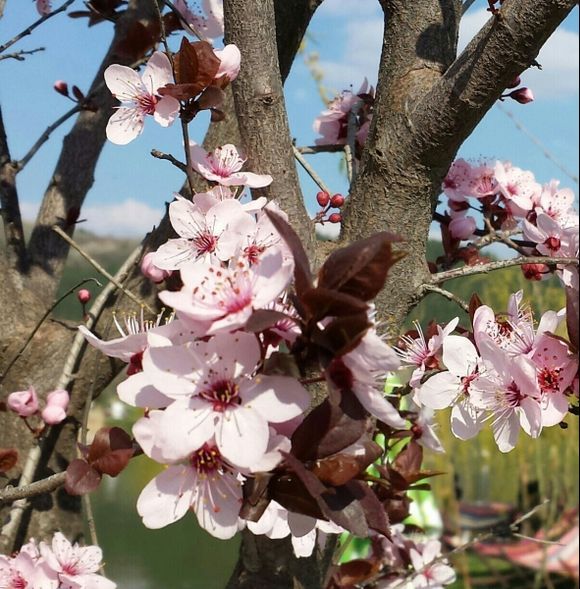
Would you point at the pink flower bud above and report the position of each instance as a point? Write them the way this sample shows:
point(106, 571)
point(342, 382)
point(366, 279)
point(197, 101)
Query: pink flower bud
point(322, 198)
point(515, 82)
point(335, 218)
point(151, 271)
point(522, 95)
point(230, 58)
point(61, 87)
point(25, 403)
point(84, 296)
point(56, 405)
point(44, 7)
point(337, 201)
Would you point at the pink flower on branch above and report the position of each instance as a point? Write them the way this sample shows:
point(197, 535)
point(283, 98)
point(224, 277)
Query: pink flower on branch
point(56, 405)
point(24, 403)
point(223, 166)
point(139, 97)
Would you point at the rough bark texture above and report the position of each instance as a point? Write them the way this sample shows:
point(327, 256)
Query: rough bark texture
point(261, 110)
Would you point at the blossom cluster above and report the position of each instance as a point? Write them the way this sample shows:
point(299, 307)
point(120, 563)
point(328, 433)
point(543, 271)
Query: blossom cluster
point(54, 566)
point(508, 371)
point(512, 200)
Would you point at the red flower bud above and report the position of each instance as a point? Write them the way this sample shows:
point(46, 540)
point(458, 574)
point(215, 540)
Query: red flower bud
point(84, 296)
point(522, 95)
point(61, 87)
point(534, 271)
point(335, 218)
point(337, 201)
point(515, 82)
point(323, 198)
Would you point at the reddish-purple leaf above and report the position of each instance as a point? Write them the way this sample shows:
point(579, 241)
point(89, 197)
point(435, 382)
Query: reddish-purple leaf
point(302, 274)
point(263, 319)
point(81, 478)
point(361, 268)
point(474, 303)
point(111, 450)
point(408, 462)
point(374, 512)
point(8, 458)
point(323, 302)
point(573, 317)
point(342, 335)
point(256, 497)
point(290, 492)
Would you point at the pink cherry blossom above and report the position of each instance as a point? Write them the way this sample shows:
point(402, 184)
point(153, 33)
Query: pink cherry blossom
point(462, 226)
point(430, 571)
point(230, 59)
point(223, 166)
point(518, 187)
point(220, 397)
point(452, 388)
point(457, 182)
point(549, 236)
point(139, 95)
point(74, 565)
point(204, 482)
point(24, 403)
point(508, 389)
point(424, 354)
point(368, 365)
point(556, 368)
point(558, 204)
point(23, 571)
point(226, 297)
point(218, 233)
point(209, 24)
point(483, 183)
point(56, 405)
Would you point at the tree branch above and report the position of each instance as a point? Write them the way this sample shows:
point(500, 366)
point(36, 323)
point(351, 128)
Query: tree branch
point(485, 268)
point(48, 485)
point(261, 110)
point(20, 55)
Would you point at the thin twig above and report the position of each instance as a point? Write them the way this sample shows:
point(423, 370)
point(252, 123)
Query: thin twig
point(19, 55)
point(312, 149)
point(45, 137)
point(503, 237)
point(167, 156)
point(426, 288)
point(35, 24)
point(41, 321)
point(48, 485)
point(351, 137)
point(310, 170)
point(191, 27)
point(100, 268)
point(440, 277)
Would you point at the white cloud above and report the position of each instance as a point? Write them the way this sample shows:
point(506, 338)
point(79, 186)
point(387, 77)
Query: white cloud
point(129, 218)
point(362, 51)
point(558, 57)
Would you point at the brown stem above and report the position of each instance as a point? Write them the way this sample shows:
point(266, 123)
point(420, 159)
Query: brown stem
point(48, 485)
point(20, 55)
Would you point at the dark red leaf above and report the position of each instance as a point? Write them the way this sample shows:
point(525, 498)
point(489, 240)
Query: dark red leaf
point(302, 274)
point(322, 302)
point(361, 268)
point(217, 115)
point(343, 334)
point(211, 97)
point(256, 497)
point(329, 428)
point(78, 93)
point(355, 572)
point(474, 303)
point(138, 39)
point(573, 317)
point(290, 492)
point(263, 319)
point(81, 478)
point(374, 511)
point(8, 458)
point(111, 450)
point(408, 462)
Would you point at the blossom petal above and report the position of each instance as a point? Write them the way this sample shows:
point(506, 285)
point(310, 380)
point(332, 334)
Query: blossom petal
point(166, 110)
point(378, 406)
point(124, 125)
point(157, 73)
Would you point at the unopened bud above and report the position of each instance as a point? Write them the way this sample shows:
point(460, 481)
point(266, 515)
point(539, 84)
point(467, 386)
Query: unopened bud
point(84, 296)
point(61, 87)
point(323, 198)
point(337, 201)
point(522, 95)
point(515, 82)
point(534, 271)
point(151, 271)
point(335, 218)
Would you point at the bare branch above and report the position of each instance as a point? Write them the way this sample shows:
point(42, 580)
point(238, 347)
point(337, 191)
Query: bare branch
point(168, 157)
point(28, 30)
point(311, 149)
point(100, 268)
point(310, 170)
point(21, 55)
point(48, 485)
point(427, 288)
point(261, 110)
point(485, 268)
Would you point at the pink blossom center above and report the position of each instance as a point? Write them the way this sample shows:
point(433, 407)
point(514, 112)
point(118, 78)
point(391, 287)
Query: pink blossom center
point(206, 460)
point(222, 394)
point(225, 162)
point(236, 294)
point(549, 380)
point(513, 395)
point(17, 582)
point(146, 103)
point(552, 243)
point(253, 253)
point(513, 189)
point(466, 382)
point(205, 243)
point(135, 364)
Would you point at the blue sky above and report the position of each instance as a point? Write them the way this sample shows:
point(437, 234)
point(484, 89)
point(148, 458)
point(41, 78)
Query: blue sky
point(131, 187)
